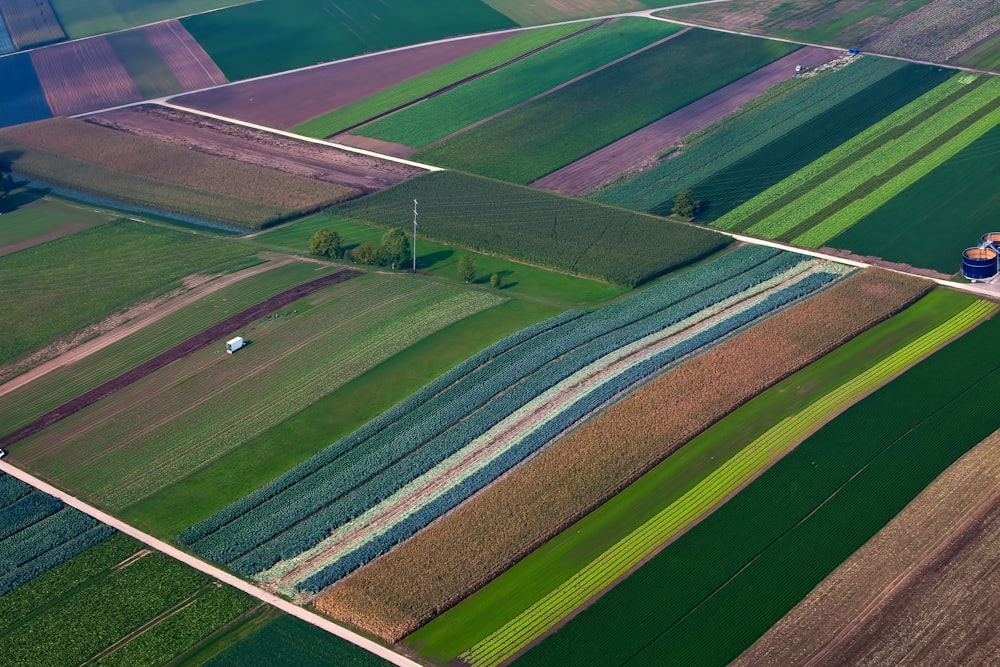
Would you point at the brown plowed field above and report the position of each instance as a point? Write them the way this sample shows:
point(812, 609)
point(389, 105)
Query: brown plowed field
point(285, 100)
point(924, 591)
point(31, 22)
point(209, 336)
point(193, 67)
point(642, 146)
point(264, 149)
point(82, 76)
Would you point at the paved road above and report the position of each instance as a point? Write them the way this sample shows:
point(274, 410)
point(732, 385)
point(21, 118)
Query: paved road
point(212, 571)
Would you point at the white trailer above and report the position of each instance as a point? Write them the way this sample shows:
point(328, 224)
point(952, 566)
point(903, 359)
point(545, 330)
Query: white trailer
point(234, 344)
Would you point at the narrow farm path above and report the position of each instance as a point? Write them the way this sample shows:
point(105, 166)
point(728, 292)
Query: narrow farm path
point(643, 145)
point(148, 314)
point(212, 571)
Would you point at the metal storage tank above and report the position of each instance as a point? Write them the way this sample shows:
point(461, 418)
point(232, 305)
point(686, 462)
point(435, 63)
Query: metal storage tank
point(979, 263)
point(992, 240)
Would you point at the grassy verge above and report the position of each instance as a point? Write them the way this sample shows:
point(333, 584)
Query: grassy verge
point(30, 218)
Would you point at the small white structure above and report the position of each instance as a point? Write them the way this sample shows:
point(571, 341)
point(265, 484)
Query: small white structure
point(234, 344)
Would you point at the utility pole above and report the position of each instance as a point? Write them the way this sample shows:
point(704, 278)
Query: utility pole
point(414, 235)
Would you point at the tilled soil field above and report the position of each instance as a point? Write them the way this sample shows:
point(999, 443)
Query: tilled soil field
point(82, 76)
point(285, 100)
point(264, 149)
point(209, 336)
point(193, 67)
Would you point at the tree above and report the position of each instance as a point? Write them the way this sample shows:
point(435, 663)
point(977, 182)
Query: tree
point(395, 248)
point(366, 253)
point(685, 205)
point(495, 281)
point(326, 244)
point(6, 182)
point(467, 268)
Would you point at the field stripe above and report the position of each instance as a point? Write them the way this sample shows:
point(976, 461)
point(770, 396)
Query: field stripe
point(629, 552)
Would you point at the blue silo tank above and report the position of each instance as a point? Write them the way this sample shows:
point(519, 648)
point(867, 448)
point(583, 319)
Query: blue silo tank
point(979, 263)
point(992, 240)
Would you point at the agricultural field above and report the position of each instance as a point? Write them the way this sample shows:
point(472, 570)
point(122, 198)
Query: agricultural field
point(76, 154)
point(985, 55)
point(31, 23)
point(6, 43)
point(185, 58)
point(292, 98)
point(961, 191)
point(531, 141)
point(124, 447)
point(92, 274)
point(99, 16)
point(475, 101)
point(938, 32)
point(448, 74)
point(695, 491)
point(83, 76)
point(441, 261)
point(793, 525)
point(143, 63)
point(22, 100)
point(175, 319)
point(538, 227)
point(589, 466)
point(472, 425)
point(834, 192)
point(32, 218)
point(303, 32)
point(550, 11)
point(933, 570)
point(823, 21)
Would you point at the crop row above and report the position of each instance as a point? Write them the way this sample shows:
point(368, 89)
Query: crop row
point(419, 86)
point(761, 121)
point(469, 393)
point(713, 489)
point(875, 158)
point(859, 208)
point(793, 525)
point(570, 415)
point(41, 536)
point(938, 31)
point(11, 490)
point(461, 107)
point(470, 546)
point(28, 510)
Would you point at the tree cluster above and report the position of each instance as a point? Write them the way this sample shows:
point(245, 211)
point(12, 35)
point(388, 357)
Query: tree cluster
point(392, 252)
point(685, 205)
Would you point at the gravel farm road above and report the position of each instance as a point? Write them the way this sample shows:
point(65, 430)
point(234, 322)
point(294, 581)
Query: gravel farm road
point(212, 571)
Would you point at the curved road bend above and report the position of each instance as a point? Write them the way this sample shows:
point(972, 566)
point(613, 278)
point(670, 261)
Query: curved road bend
point(212, 571)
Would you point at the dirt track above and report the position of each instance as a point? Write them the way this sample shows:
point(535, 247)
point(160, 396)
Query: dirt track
point(209, 336)
point(286, 100)
point(642, 146)
point(236, 142)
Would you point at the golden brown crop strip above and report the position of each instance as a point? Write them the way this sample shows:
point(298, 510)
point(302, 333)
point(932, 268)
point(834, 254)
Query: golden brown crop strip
point(494, 529)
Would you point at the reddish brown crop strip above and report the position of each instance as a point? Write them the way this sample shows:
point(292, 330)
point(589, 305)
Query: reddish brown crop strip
point(209, 336)
point(184, 56)
point(82, 76)
point(489, 533)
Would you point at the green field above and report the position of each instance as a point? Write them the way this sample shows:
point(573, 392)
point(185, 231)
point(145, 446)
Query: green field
point(144, 64)
point(531, 12)
point(55, 289)
point(126, 447)
point(83, 608)
point(773, 542)
point(62, 384)
point(613, 538)
point(932, 221)
point(82, 19)
point(30, 218)
point(424, 84)
point(441, 261)
point(532, 141)
point(276, 35)
point(590, 239)
point(336, 414)
point(472, 102)
point(985, 55)
point(289, 641)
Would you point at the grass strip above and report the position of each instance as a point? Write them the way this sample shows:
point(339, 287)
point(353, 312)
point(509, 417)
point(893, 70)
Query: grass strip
point(712, 490)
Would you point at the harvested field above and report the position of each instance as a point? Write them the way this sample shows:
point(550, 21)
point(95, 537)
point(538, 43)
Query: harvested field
point(209, 336)
point(193, 67)
point(31, 22)
point(263, 149)
point(922, 591)
point(51, 145)
point(286, 100)
point(937, 32)
point(83, 76)
point(471, 545)
point(643, 146)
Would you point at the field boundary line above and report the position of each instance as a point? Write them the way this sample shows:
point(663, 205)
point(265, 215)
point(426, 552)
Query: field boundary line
point(212, 571)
